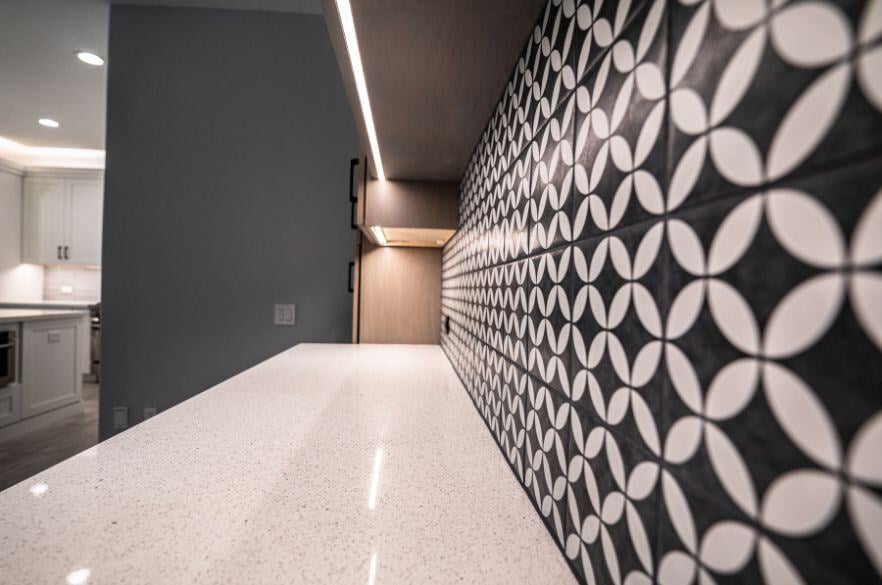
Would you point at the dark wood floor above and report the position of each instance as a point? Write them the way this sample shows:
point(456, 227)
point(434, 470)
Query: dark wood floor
point(33, 452)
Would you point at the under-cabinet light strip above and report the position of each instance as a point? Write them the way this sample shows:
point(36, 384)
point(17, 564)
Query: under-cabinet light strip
point(345, 12)
point(379, 235)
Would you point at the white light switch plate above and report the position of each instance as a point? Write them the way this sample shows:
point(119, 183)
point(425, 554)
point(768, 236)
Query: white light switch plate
point(284, 315)
point(120, 417)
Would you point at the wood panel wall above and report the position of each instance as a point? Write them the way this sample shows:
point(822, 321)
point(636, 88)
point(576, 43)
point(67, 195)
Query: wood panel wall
point(400, 295)
point(412, 204)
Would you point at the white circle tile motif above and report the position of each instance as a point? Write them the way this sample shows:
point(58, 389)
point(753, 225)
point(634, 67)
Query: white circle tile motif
point(665, 295)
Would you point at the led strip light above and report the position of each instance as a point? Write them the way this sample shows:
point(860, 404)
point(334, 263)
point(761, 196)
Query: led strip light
point(345, 12)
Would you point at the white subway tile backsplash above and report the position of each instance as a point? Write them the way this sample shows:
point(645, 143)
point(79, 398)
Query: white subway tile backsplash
point(72, 283)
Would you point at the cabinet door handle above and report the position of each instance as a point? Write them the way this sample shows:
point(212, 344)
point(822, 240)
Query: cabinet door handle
point(58, 253)
point(353, 195)
point(66, 257)
point(351, 274)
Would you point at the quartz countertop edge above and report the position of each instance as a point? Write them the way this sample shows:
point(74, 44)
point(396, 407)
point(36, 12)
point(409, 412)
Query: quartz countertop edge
point(323, 464)
point(22, 315)
point(67, 304)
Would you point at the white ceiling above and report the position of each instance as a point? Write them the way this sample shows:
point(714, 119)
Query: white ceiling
point(41, 77)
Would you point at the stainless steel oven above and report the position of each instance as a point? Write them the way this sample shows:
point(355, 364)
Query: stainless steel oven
point(8, 357)
point(94, 374)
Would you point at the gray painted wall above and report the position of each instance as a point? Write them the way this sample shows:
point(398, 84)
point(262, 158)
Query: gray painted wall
point(228, 144)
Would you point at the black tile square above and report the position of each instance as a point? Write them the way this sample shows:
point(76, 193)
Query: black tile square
point(612, 495)
point(698, 535)
point(551, 204)
point(514, 402)
point(758, 415)
point(550, 68)
point(496, 211)
point(545, 454)
point(512, 233)
point(496, 313)
point(752, 105)
point(620, 132)
point(549, 310)
point(619, 301)
point(485, 372)
point(701, 539)
point(493, 368)
point(495, 404)
point(515, 294)
point(519, 102)
point(598, 24)
point(500, 159)
point(700, 350)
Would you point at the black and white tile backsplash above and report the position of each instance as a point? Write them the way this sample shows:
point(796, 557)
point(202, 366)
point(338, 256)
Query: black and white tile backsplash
point(665, 296)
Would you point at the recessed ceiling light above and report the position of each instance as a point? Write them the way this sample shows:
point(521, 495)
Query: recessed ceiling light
point(48, 122)
point(90, 58)
point(348, 24)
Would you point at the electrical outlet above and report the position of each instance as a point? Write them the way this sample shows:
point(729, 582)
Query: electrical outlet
point(150, 412)
point(120, 417)
point(66, 289)
point(284, 315)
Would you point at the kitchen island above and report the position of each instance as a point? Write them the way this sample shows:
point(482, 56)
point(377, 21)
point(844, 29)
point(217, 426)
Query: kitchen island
point(324, 464)
point(85, 347)
point(43, 368)
point(25, 315)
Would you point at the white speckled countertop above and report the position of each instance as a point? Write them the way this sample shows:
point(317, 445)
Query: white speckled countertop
point(324, 464)
point(77, 305)
point(20, 315)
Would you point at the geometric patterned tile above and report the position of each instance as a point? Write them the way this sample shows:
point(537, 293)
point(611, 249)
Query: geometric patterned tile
point(793, 88)
point(551, 204)
point(665, 295)
point(550, 67)
point(612, 502)
point(545, 457)
point(549, 317)
point(621, 138)
point(619, 297)
point(598, 24)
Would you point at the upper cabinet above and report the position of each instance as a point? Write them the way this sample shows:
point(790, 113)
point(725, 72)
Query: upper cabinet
point(62, 218)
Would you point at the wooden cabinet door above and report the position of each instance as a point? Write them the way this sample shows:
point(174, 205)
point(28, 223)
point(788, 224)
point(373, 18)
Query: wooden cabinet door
point(50, 372)
point(43, 229)
point(85, 211)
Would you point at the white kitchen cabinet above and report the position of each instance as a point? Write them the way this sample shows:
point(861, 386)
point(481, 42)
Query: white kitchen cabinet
point(50, 372)
point(10, 404)
point(43, 220)
point(84, 217)
point(62, 218)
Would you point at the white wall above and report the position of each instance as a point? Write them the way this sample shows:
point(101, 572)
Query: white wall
point(18, 282)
